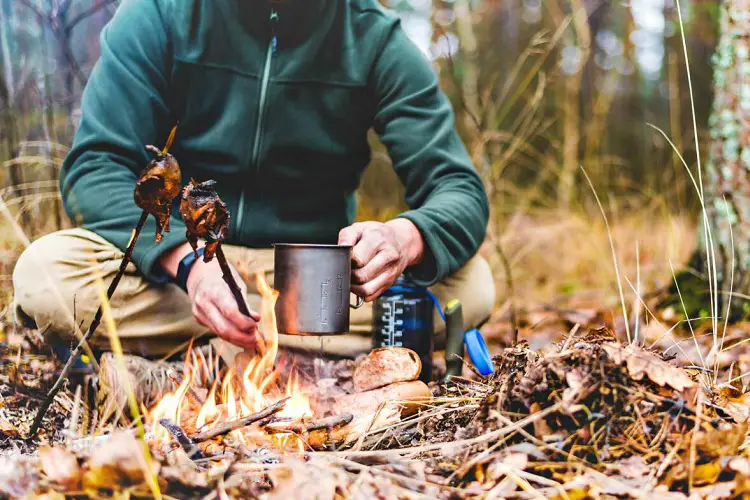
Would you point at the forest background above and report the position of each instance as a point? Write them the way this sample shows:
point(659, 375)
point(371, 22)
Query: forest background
point(546, 92)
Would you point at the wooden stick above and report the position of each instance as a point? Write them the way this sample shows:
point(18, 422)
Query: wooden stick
point(179, 435)
point(227, 427)
point(305, 427)
point(229, 279)
point(90, 332)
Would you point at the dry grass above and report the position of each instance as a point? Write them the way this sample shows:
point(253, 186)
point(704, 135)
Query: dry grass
point(557, 256)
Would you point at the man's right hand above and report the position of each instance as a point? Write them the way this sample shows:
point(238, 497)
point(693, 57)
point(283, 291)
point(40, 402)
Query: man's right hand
point(212, 302)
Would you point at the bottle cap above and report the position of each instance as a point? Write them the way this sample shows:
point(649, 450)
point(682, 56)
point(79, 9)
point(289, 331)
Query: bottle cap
point(478, 352)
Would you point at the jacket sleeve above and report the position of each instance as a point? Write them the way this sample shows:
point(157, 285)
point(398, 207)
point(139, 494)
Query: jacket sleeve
point(123, 109)
point(414, 120)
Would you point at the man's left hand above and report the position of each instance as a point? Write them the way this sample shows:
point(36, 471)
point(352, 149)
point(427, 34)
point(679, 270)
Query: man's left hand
point(381, 252)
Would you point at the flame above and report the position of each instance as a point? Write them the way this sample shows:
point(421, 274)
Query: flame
point(237, 395)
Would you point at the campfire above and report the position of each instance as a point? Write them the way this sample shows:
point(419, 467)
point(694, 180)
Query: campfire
point(264, 400)
point(240, 393)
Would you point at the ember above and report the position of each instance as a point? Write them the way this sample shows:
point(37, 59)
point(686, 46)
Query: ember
point(240, 395)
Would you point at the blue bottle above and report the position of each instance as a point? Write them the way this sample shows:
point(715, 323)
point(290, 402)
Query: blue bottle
point(403, 318)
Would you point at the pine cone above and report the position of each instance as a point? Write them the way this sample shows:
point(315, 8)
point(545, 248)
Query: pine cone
point(205, 215)
point(157, 186)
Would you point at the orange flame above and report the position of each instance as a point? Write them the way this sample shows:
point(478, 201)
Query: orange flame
point(239, 395)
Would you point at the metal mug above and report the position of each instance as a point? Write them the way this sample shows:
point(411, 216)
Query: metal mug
point(314, 283)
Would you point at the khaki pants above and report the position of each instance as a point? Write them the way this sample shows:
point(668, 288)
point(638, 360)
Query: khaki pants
point(55, 283)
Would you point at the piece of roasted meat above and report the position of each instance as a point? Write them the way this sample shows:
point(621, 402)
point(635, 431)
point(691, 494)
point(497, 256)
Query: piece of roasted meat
point(205, 215)
point(157, 187)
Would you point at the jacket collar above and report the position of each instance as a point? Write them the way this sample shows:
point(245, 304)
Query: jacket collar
point(291, 21)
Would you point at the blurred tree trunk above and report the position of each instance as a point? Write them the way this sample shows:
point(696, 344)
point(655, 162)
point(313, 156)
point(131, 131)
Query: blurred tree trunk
point(727, 180)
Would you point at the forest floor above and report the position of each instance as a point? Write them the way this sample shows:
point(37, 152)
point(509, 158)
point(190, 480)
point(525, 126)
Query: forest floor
point(577, 409)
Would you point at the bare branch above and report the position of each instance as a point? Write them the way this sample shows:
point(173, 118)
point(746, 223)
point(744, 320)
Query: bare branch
point(41, 16)
point(87, 13)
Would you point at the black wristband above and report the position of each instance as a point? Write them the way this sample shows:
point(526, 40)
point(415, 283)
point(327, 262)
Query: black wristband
point(183, 270)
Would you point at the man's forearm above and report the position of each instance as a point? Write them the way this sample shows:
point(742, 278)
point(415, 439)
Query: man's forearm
point(410, 238)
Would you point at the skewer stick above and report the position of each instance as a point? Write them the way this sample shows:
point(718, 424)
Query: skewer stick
point(90, 332)
point(226, 272)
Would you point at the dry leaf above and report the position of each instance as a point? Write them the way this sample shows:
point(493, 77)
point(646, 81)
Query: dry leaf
point(642, 363)
point(7, 428)
point(17, 477)
point(116, 461)
point(61, 467)
point(634, 467)
point(305, 481)
point(715, 491)
point(722, 442)
point(707, 473)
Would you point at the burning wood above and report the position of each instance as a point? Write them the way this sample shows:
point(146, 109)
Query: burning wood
point(155, 191)
point(227, 427)
point(179, 435)
point(320, 434)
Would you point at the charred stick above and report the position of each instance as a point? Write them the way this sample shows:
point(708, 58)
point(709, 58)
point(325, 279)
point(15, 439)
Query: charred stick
point(179, 435)
point(226, 272)
point(90, 332)
point(327, 423)
point(227, 427)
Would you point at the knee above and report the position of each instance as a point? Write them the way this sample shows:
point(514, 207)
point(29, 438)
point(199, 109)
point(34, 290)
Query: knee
point(38, 281)
point(43, 256)
point(480, 294)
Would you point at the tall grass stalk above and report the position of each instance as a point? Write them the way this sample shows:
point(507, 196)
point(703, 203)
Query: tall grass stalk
point(614, 254)
point(114, 339)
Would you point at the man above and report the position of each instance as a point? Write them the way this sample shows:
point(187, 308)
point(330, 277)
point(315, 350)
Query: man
point(274, 101)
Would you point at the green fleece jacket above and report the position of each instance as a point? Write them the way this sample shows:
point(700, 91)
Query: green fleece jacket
point(274, 102)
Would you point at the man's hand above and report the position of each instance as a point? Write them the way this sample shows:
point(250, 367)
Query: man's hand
point(213, 304)
point(381, 253)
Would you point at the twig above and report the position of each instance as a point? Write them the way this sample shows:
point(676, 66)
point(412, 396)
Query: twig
point(306, 427)
point(459, 444)
point(90, 332)
point(227, 427)
point(229, 279)
point(571, 336)
point(179, 435)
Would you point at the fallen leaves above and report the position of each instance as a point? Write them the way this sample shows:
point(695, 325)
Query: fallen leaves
point(642, 363)
point(117, 461)
point(60, 467)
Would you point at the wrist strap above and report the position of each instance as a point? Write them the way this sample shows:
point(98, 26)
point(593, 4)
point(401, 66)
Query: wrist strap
point(183, 270)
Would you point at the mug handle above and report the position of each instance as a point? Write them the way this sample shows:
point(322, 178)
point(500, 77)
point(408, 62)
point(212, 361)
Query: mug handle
point(360, 303)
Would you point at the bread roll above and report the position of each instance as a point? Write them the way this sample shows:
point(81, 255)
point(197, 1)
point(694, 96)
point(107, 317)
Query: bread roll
point(385, 366)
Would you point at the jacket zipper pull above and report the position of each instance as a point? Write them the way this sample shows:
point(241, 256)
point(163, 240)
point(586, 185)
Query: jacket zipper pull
point(274, 17)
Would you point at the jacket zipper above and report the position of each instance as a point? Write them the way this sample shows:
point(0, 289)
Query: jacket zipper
point(255, 160)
